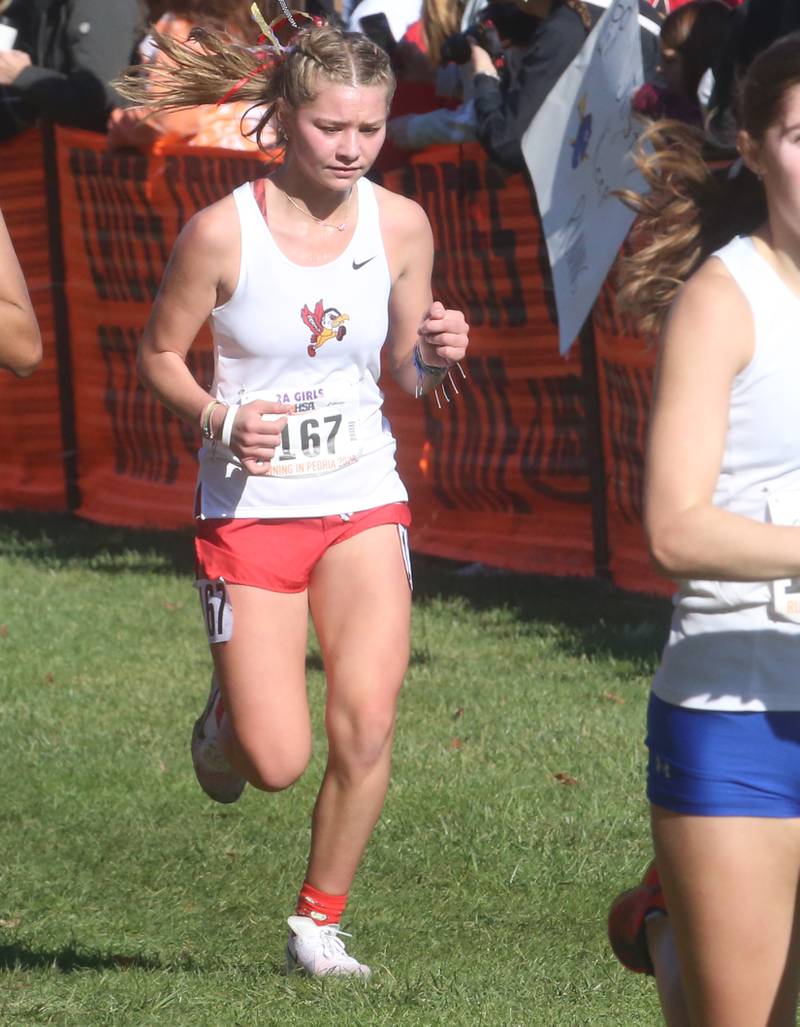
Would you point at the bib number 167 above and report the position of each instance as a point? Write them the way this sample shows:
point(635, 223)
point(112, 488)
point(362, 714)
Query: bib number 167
point(308, 436)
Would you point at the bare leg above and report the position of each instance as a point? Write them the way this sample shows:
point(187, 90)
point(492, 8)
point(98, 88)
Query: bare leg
point(731, 885)
point(261, 670)
point(361, 605)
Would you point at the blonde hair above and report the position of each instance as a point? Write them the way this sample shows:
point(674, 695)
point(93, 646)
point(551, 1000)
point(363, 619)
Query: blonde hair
point(212, 67)
point(440, 19)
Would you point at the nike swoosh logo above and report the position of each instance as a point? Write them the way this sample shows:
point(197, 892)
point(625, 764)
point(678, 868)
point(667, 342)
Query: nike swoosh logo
point(356, 266)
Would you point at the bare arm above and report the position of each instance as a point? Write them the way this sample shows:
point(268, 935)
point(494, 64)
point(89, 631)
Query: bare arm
point(201, 273)
point(708, 339)
point(414, 318)
point(20, 340)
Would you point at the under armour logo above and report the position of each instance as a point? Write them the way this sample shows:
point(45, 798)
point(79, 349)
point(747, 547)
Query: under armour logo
point(662, 767)
point(357, 266)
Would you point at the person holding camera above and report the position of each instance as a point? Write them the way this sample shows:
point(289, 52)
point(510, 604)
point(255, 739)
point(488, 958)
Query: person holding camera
point(502, 30)
point(504, 107)
point(424, 52)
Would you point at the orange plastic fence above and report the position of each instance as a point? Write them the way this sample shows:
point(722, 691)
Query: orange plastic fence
point(32, 475)
point(625, 377)
point(502, 475)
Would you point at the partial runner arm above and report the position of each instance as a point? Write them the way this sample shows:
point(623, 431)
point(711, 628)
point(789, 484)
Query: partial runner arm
point(20, 339)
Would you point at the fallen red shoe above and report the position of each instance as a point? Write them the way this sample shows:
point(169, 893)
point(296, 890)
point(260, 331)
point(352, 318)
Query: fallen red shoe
point(626, 928)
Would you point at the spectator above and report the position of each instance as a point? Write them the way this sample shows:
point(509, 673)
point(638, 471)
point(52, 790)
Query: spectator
point(20, 341)
point(69, 51)
point(421, 119)
point(439, 23)
point(224, 125)
point(504, 109)
point(690, 42)
point(755, 27)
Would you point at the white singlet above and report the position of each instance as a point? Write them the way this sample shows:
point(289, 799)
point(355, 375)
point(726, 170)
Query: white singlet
point(312, 337)
point(735, 645)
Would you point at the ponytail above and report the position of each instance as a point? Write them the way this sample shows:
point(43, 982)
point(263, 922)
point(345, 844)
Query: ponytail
point(690, 210)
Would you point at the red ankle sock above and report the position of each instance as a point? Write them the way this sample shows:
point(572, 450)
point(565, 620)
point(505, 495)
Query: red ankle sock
point(319, 905)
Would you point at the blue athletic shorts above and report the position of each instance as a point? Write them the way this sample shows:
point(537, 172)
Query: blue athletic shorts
point(714, 763)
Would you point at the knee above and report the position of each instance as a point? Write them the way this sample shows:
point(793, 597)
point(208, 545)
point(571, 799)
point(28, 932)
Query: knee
point(362, 738)
point(272, 768)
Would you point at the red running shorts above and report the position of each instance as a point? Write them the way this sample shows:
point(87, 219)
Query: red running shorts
point(279, 555)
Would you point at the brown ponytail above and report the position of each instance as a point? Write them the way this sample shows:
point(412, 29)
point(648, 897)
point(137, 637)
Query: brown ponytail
point(689, 211)
point(692, 209)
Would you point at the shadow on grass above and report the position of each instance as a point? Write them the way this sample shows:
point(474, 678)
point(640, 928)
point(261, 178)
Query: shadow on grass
point(599, 619)
point(71, 958)
point(60, 540)
point(592, 617)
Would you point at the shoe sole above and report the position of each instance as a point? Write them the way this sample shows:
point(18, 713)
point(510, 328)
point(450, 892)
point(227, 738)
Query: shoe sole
point(224, 797)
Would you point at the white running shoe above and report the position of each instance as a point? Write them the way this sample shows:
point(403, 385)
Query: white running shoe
point(319, 950)
point(211, 768)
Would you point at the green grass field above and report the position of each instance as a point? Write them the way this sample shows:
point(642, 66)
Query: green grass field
point(516, 811)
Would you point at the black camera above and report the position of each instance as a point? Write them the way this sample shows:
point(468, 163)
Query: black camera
point(456, 49)
point(497, 21)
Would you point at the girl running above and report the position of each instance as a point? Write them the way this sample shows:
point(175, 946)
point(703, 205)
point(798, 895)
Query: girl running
point(307, 276)
point(722, 510)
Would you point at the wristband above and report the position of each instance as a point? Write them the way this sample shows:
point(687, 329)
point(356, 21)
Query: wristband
point(432, 370)
point(425, 370)
point(227, 425)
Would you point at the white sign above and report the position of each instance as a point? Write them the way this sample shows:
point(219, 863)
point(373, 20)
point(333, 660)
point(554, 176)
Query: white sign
point(578, 151)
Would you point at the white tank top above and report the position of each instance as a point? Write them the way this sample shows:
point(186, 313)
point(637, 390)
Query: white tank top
point(736, 645)
point(310, 336)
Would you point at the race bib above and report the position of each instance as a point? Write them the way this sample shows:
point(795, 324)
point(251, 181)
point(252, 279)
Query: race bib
point(784, 508)
point(323, 433)
point(217, 610)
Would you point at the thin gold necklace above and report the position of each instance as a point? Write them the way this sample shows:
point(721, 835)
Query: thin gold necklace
point(339, 228)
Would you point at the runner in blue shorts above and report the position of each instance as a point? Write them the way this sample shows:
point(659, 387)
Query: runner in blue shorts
point(716, 918)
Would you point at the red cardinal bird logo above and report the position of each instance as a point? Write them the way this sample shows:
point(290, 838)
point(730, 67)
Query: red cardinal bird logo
point(324, 323)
